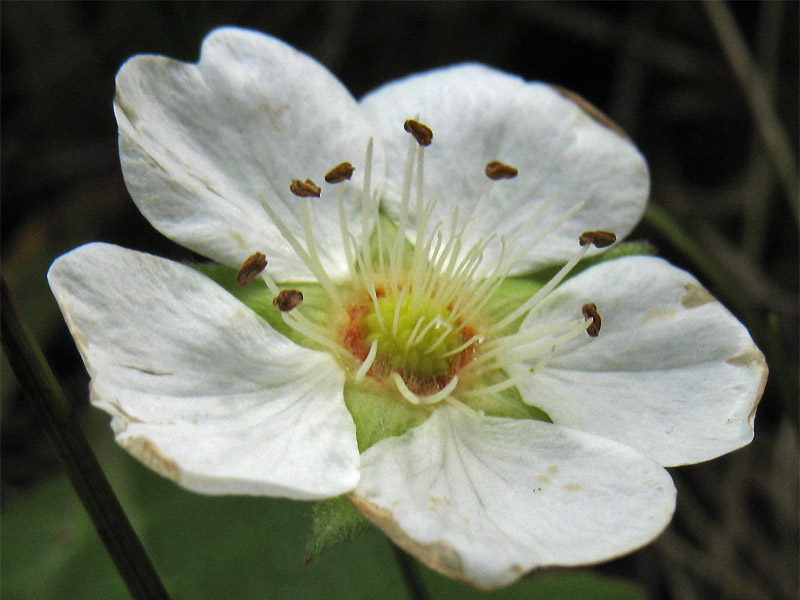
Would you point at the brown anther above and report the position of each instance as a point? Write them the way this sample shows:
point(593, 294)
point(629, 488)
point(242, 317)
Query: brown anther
point(305, 189)
point(251, 268)
point(422, 133)
point(341, 172)
point(590, 312)
point(286, 300)
point(601, 239)
point(496, 170)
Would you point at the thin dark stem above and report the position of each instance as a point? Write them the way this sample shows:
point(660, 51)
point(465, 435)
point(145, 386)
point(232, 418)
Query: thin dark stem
point(54, 415)
point(411, 575)
point(774, 135)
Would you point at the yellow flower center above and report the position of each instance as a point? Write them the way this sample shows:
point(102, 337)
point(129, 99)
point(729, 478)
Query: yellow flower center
point(413, 335)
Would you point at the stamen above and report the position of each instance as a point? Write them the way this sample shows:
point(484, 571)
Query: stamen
point(286, 300)
point(312, 248)
point(403, 388)
point(296, 321)
point(447, 329)
point(367, 364)
point(477, 296)
point(529, 334)
point(412, 337)
point(441, 394)
point(305, 189)
point(418, 269)
point(475, 339)
point(544, 291)
point(467, 410)
point(369, 285)
point(459, 281)
point(315, 266)
point(271, 285)
point(417, 400)
point(422, 133)
point(397, 307)
point(590, 312)
point(251, 268)
point(434, 322)
point(341, 172)
point(366, 205)
point(495, 387)
point(430, 269)
point(600, 239)
point(523, 347)
point(496, 170)
point(396, 248)
point(487, 288)
point(348, 250)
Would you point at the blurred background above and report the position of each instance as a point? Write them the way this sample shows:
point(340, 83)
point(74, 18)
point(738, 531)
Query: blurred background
point(708, 92)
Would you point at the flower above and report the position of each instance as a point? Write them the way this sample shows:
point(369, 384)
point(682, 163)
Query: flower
point(406, 349)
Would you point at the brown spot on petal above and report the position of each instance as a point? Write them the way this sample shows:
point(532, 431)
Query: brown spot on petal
point(590, 312)
point(695, 296)
point(341, 172)
point(591, 110)
point(658, 313)
point(572, 487)
point(286, 300)
point(305, 189)
point(251, 268)
point(497, 170)
point(753, 358)
point(600, 239)
point(147, 452)
point(422, 133)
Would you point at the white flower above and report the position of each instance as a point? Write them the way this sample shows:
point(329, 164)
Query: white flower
point(426, 342)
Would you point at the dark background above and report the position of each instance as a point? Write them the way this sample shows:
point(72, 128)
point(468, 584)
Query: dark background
point(721, 144)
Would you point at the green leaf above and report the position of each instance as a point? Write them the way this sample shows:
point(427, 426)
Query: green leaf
point(204, 547)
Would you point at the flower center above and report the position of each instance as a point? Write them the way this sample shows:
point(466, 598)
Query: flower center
point(418, 338)
point(412, 316)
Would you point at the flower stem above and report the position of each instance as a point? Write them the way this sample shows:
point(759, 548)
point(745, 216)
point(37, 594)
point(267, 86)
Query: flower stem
point(54, 415)
point(411, 575)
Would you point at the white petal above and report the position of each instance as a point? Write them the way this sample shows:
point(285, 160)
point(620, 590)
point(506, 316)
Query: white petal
point(672, 373)
point(200, 388)
point(203, 146)
point(478, 115)
point(488, 499)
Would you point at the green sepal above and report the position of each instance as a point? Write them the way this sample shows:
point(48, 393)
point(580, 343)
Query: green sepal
point(378, 413)
point(335, 520)
point(506, 403)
